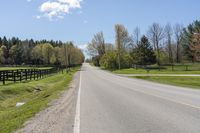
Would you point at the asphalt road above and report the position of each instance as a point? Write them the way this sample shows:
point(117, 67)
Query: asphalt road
point(109, 103)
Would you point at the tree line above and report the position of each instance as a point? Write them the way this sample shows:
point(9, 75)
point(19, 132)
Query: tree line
point(29, 52)
point(160, 45)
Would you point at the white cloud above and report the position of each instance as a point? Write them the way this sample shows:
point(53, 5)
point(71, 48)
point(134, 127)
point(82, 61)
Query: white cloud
point(59, 8)
point(71, 3)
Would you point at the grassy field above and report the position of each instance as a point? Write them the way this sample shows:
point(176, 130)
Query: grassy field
point(14, 68)
point(177, 69)
point(35, 94)
point(191, 82)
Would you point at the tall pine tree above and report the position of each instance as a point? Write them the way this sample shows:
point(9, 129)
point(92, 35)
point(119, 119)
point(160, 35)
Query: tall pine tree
point(143, 53)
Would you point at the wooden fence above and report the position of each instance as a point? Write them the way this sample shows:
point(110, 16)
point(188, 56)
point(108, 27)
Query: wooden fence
point(20, 75)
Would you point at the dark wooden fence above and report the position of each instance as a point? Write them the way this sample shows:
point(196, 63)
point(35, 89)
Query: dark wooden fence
point(20, 75)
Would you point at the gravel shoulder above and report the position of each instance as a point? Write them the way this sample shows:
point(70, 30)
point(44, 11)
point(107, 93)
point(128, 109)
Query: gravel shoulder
point(59, 116)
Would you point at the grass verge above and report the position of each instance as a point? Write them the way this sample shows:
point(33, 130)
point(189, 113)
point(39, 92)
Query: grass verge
point(142, 71)
point(176, 69)
point(35, 94)
point(191, 82)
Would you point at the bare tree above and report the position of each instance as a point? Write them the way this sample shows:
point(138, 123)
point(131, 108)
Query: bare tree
point(122, 41)
point(97, 45)
point(155, 35)
point(96, 48)
point(178, 31)
point(168, 34)
point(136, 35)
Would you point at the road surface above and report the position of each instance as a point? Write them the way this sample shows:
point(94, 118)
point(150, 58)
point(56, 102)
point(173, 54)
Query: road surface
point(108, 103)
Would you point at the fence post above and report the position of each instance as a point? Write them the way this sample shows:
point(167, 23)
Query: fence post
point(40, 73)
point(17, 75)
point(26, 74)
point(7, 75)
point(30, 72)
point(34, 74)
point(37, 74)
point(186, 68)
point(20, 78)
point(3, 77)
point(0, 76)
point(14, 76)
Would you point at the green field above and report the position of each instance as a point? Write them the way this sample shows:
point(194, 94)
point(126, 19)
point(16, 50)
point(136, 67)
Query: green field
point(184, 81)
point(35, 94)
point(191, 82)
point(177, 69)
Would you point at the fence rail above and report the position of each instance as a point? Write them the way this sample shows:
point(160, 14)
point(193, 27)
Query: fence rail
point(20, 75)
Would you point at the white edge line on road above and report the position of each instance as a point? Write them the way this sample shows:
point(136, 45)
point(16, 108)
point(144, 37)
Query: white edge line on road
point(77, 115)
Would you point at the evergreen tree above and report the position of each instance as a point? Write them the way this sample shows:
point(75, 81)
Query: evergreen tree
point(143, 53)
point(0, 41)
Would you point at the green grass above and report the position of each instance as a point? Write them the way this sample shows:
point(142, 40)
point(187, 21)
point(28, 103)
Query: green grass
point(14, 68)
point(191, 82)
point(178, 69)
point(12, 117)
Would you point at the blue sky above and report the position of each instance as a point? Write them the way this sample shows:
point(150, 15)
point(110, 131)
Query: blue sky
point(79, 20)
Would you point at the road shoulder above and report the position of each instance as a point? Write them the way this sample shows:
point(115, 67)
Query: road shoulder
point(59, 116)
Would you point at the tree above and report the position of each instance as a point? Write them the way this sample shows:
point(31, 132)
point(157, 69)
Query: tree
point(122, 41)
point(109, 60)
point(16, 51)
point(13, 54)
point(97, 47)
point(57, 51)
point(66, 51)
point(3, 51)
point(195, 46)
point(143, 53)
point(71, 55)
point(77, 56)
point(36, 54)
point(47, 52)
point(178, 31)
point(168, 35)
point(5, 42)
point(155, 35)
point(188, 38)
point(109, 47)
point(0, 41)
point(136, 35)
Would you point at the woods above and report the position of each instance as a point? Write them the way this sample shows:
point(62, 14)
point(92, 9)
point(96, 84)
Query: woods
point(161, 45)
point(29, 52)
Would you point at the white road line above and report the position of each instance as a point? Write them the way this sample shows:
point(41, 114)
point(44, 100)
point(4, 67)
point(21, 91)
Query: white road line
point(77, 115)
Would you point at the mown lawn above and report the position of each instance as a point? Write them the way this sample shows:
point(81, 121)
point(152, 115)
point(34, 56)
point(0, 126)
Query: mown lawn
point(35, 94)
point(191, 82)
point(177, 69)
